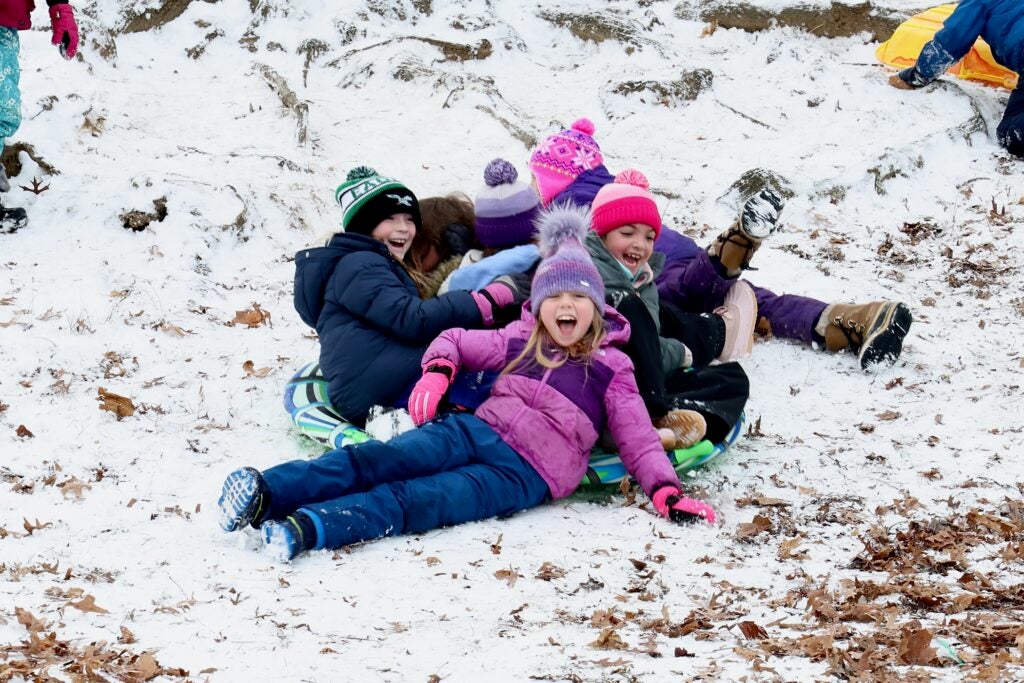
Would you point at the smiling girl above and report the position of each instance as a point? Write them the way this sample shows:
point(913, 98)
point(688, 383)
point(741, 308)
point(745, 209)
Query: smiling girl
point(359, 293)
point(686, 403)
point(563, 381)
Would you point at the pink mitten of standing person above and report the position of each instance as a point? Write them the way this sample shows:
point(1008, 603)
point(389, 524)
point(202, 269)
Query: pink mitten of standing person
point(65, 30)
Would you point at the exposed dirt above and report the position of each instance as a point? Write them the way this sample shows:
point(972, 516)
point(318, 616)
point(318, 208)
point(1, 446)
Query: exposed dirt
point(839, 20)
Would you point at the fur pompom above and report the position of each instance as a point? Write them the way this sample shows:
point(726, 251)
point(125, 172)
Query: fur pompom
point(500, 172)
point(584, 125)
point(633, 177)
point(360, 172)
point(561, 224)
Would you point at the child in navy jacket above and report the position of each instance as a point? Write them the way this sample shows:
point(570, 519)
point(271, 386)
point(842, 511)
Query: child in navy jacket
point(358, 293)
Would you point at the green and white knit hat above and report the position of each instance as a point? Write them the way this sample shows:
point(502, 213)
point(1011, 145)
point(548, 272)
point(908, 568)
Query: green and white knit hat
point(366, 198)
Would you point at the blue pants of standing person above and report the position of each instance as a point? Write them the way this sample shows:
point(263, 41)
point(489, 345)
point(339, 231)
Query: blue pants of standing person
point(1010, 132)
point(696, 284)
point(449, 471)
point(10, 73)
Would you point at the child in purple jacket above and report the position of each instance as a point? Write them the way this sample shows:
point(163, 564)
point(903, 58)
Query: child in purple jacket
point(562, 381)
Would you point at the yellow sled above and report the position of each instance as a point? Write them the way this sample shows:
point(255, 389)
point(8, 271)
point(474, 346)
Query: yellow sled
point(905, 45)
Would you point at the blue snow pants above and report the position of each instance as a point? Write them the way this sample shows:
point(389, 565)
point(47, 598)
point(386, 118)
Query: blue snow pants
point(10, 74)
point(1010, 132)
point(449, 471)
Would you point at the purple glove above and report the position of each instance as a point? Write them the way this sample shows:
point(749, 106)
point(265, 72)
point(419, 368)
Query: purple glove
point(672, 504)
point(492, 297)
point(65, 30)
point(427, 394)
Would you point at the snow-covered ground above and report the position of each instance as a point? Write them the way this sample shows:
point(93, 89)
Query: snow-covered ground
point(866, 519)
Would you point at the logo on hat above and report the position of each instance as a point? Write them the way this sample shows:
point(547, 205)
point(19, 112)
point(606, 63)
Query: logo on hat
point(401, 201)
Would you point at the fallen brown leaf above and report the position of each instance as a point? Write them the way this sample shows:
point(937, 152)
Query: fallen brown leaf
point(88, 604)
point(121, 406)
point(915, 645)
point(253, 317)
point(752, 631)
point(250, 370)
point(609, 639)
point(753, 527)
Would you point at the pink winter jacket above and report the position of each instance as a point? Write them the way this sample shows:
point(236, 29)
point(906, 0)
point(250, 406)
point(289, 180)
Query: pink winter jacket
point(553, 417)
point(16, 14)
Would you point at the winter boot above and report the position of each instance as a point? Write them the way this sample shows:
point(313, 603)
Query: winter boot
point(873, 331)
point(739, 311)
point(667, 438)
point(688, 426)
point(243, 499)
point(284, 540)
point(736, 246)
point(12, 219)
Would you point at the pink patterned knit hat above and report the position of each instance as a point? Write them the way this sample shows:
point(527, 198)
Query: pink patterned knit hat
point(625, 201)
point(561, 157)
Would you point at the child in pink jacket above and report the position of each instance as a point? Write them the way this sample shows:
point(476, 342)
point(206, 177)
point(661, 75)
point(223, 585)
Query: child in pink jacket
point(562, 381)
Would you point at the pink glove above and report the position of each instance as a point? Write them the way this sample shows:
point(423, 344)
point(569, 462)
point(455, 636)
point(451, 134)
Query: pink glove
point(493, 296)
point(427, 394)
point(672, 504)
point(65, 30)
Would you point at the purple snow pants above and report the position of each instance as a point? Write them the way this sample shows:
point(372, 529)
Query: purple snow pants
point(692, 282)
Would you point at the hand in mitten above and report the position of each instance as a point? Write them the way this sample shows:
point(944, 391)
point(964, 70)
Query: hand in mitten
point(458, 239)
point(761, 213)
point(65, 30)
point(426, 396)
point(673, 505)
point(490, 299)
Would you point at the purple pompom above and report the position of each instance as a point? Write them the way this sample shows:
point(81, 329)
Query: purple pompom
point(500, 172)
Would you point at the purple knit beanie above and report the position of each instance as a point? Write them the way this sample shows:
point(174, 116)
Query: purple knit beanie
point(566, 266)
point(504, 207)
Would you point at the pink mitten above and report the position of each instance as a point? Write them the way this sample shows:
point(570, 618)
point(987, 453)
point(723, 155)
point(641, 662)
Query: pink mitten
point(492, 297)
point(65, 30)
point(430, 389)
point(672, 504)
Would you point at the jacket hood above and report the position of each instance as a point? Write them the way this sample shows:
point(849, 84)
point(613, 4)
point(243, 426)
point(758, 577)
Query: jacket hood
point(314, 267)
point(602, 257)
point(616, 326)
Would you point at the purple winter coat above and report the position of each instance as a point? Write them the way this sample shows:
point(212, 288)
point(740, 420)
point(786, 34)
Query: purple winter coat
point(17, 14)
point(553, 417)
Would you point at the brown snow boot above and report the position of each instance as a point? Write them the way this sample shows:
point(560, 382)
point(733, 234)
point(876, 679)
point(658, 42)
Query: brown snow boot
point(688, 426)
point(734, 248)
point(873, 331)
point(758, 219)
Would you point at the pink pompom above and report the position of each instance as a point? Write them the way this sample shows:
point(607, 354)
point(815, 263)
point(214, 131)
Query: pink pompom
point(631, 176)
point(583, 125)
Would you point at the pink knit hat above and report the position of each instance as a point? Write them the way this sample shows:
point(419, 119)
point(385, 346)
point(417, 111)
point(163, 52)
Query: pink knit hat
point(561, 157)
point(624, 202)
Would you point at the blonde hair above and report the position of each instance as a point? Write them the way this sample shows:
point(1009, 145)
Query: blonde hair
point(540, 339)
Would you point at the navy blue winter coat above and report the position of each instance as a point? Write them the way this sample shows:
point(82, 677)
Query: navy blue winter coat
point(372, 323)
point(999, 22)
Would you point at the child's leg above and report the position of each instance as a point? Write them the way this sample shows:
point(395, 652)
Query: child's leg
point(702, 333)
point(644, 349)
point(1010, 132)
point(718, 392)
point(694, 285)
point(435, 447)
point(788, 316)
point(10, 96)
point(497, 481)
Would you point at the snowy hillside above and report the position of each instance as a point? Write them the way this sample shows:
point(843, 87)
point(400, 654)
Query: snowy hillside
point(872, 524)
